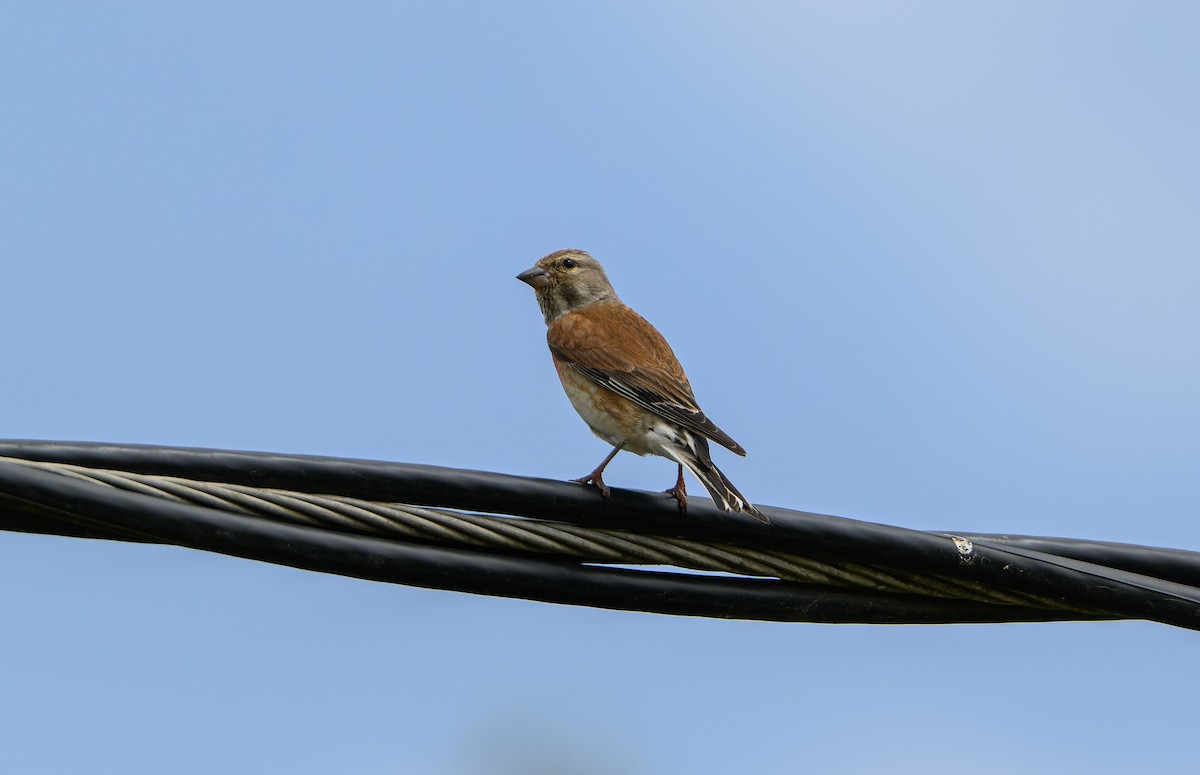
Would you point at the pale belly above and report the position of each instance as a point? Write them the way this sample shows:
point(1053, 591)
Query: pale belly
point(611, 417)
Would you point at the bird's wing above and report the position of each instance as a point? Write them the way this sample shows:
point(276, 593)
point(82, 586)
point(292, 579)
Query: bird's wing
point(617, 349)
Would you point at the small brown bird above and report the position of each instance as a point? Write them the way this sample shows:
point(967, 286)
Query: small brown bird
point(623, 378)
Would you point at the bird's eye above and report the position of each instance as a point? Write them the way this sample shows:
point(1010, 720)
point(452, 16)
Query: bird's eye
point(568, 263)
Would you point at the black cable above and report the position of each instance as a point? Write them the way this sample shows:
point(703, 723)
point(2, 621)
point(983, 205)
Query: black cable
point(1168, 564)
point(465, 571)
point(1107, 580)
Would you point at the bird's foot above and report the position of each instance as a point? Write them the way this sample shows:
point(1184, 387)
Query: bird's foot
point(596, 479)
point(680, 492)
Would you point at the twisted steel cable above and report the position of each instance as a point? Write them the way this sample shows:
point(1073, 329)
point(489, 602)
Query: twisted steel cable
point(590, 545)
point(559, 542)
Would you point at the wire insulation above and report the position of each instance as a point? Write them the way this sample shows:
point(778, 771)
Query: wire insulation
point(546, 540)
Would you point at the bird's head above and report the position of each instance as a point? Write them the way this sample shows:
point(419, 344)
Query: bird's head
point(566, 281)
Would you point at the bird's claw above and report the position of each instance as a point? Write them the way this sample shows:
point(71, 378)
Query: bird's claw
point(679, 491)
point(596, 480)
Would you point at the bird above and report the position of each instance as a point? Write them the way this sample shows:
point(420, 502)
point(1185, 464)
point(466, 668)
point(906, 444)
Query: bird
point(624, 380)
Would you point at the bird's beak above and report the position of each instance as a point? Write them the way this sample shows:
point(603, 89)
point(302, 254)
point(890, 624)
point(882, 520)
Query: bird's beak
point(535, 277)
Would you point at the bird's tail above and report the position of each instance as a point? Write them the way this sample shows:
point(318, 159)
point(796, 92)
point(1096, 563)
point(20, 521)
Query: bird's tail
point(696, 457)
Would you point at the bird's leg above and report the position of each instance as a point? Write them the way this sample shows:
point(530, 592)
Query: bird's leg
point(597, 477)
point(680, 490)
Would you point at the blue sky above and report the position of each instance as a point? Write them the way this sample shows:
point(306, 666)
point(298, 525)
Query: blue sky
point(932, 264)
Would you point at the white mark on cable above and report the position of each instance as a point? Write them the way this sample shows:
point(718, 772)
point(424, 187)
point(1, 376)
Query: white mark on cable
point(965, 548)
